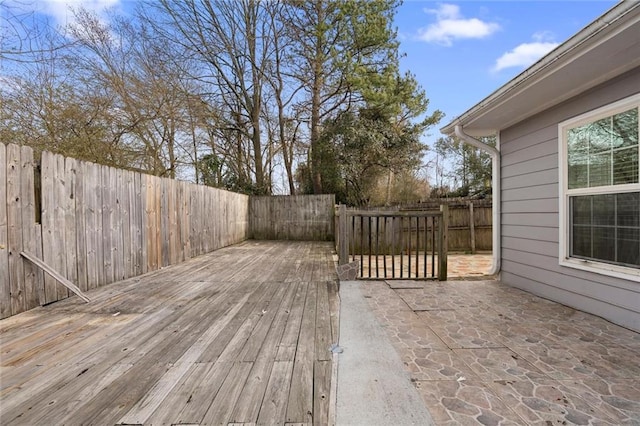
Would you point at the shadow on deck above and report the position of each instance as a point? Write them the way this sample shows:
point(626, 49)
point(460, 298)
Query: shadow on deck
point(240, 335)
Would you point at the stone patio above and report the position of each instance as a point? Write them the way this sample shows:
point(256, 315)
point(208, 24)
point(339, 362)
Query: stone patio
point(481, 352)
point(469, 266)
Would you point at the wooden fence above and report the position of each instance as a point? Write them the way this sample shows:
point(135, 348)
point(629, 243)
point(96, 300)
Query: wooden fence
point(470, 228)
point(470, 224)
point(97, 224)
point(300, 217)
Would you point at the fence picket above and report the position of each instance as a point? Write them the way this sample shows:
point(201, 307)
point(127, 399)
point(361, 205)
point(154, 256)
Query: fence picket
point(165, 241)
point(5, 289)
point(14, 218)
point(157, 200)
point(59, 262)
point(137, 225)
point(39, 272)
point(118, 225)
point(149, 222)
point(28, 211)
point(47, 165)
point(185, 224)
point(71, 253)
point(80, 206)
point(126, 192)
point(107, 225)
point(91, 211)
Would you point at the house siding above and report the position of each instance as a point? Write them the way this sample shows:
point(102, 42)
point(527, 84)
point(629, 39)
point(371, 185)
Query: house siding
point(529, 228)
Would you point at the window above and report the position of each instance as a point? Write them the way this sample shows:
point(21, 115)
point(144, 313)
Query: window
point(600, 190)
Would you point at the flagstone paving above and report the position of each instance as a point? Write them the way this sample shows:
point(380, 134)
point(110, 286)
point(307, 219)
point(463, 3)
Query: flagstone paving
point(481, 352)
point(469, 266)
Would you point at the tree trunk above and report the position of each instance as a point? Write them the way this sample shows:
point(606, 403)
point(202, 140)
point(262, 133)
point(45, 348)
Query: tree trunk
point(389, 182)
point(318, 82)
point(256, 95)
point(285, 149)
point(257, 143)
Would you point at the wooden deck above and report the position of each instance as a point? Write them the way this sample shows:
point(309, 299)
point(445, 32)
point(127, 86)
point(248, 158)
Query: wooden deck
point(237, 336)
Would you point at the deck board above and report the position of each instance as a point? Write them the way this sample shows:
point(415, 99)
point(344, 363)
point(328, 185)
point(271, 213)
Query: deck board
point(236, 336)
point(300, 406)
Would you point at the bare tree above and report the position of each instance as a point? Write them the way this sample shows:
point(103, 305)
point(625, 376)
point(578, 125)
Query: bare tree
point(232, 93)
point(232, 41)
point(22, 33)
point(281, 76)
point(138, 69)
point(44, 105)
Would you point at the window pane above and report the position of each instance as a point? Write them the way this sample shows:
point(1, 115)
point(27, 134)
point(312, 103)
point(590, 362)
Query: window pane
point(625, 166)
point(578, 169)
point(625, 128)
point(628, 207)
point(581, 241)
point(581, 210)
point(578, 152)
point(578, 139)
point(600, 135)
point(600, 169)
point(629, 246)
point(604, 209)
point(604, 152)
point(606, 228)
point(604, 243)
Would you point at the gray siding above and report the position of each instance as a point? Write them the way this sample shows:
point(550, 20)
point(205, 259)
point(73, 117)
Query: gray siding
point(530, 213)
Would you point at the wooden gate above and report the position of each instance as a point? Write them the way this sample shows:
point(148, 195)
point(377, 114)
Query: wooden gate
point(394, 245)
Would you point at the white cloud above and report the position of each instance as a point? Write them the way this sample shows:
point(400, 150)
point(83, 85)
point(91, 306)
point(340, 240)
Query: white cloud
point(62, 10)
point(524, 54)
point(543, 36)
point(451, 25)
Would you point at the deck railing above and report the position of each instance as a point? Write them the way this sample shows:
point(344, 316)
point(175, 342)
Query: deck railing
point(394, 245)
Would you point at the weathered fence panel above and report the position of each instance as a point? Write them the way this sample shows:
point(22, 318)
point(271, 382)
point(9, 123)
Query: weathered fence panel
point(20, 282)
point(470, 226)
point(100, 224)
point(299, 217)
point(470, 222)
point(386, 232)
point(94, 224)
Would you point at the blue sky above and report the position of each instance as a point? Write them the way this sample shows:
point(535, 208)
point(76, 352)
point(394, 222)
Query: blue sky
point(460, 52)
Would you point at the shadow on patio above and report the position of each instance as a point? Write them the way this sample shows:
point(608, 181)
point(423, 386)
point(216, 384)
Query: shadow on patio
point(481, 352)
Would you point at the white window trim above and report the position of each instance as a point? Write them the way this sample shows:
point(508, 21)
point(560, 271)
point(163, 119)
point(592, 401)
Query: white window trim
point(564, 259)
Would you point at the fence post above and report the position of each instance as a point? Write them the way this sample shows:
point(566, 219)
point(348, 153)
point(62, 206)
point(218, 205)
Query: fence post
point(343, 237)
point(443, 226)
point(472, 228)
